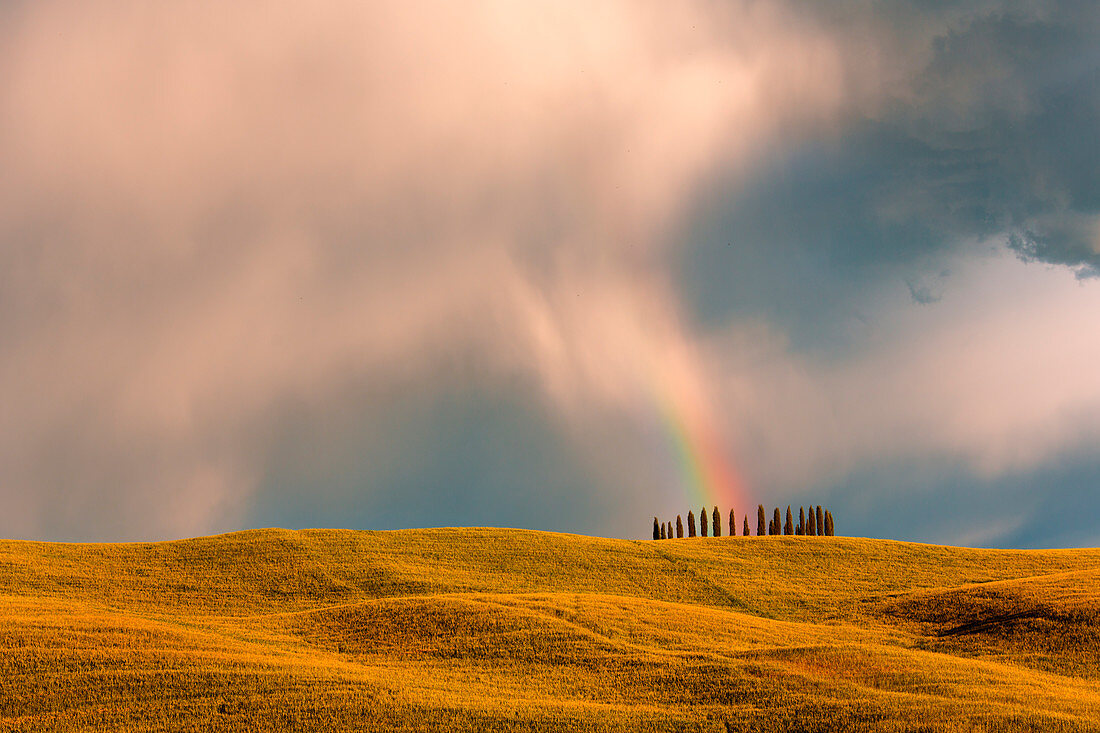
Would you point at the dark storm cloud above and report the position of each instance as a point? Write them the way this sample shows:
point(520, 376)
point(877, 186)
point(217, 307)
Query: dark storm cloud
point(989, 135)
point(1008, 111)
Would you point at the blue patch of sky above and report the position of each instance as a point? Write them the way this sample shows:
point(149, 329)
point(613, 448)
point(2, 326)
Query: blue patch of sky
point(945, 502)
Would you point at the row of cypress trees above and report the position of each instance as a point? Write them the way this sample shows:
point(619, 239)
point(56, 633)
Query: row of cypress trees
point(817, 522)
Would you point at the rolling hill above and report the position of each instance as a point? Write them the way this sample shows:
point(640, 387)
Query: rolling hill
point(494, 629)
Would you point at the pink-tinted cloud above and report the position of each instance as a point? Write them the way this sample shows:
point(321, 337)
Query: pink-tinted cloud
point(997, 375)
point(208, 209)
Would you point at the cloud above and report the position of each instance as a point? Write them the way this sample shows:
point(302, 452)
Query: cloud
point(923, 293)
point(997, 378)
point(1072, 240)
point(212, 211)
point(970, 125)
point(990, 132)
point(219, 219)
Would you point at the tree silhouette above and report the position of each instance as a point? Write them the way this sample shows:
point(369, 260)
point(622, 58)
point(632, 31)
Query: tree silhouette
point(716, 524)
point(820, 522)
point(679, 526)
point(703, 522)
point(811, 528)
point(656, 529)
point(760, 521)
point(745, 529)
point(828, 523)
point(788, 528)
point(691, 524)
point(663, 532)
point(802, 520)
point(777, 521)
point(733, 524)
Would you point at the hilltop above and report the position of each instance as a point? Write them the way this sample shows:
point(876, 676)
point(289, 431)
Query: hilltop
point(496, 629)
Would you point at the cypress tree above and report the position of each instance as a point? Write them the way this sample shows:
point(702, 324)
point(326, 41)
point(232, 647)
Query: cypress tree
point(820, 522)
point(828, 523)
point(777, 521)
point(716, 525)
point(811, 529)
point(788, 528)
point(760, 521)
point(656, 530)
point(691, 524)
point(679, 527)
point(802, 520)
point(703, 522)
point(733, 524)
point(745, 529)
point(663, 532)
point(670, 535)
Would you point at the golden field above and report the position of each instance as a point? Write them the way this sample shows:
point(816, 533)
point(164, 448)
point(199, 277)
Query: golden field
point(498, 630)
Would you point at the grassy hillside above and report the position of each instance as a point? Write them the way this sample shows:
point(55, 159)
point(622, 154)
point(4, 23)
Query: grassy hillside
point(485, 629)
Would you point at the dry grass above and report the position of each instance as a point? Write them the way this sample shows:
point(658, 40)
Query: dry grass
point(482, 629)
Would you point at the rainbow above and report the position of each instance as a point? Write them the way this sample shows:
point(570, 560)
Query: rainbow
point(702, 467)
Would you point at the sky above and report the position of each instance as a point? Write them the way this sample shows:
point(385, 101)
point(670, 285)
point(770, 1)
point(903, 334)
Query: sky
point(554, 265)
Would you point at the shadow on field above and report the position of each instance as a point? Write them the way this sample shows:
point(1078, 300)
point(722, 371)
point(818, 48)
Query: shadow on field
point(1047, 622)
